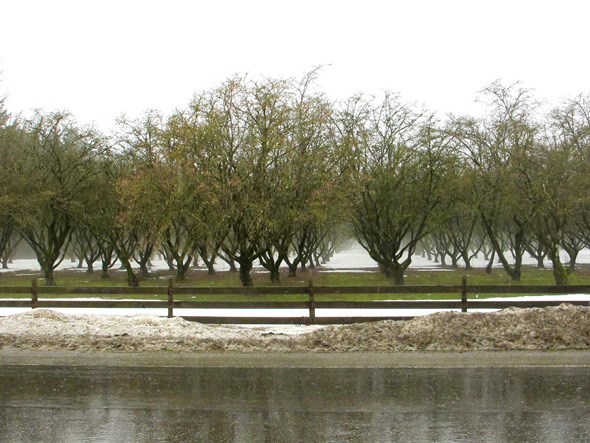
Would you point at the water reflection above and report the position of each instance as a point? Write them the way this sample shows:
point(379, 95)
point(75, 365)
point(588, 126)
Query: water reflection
point(286, 404)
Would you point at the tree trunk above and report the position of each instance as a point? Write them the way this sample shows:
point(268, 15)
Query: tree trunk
point(49, 279)
point(271, 261)
point(245, 276)
point(573, 259)
point(513, 272)
point(210, 264)
point(467, 261)
point(181, 272)
point(292, 270)
point(292, 266)
point(105, 265)
point(131, 277)
point(143, 269)
point(490, 264)
point(275, 276)
point(89, 267)
point(517, 273)
point(395, 272)
point(560, 273)
point(182, 267)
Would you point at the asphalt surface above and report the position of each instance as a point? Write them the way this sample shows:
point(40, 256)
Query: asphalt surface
point(497, 359)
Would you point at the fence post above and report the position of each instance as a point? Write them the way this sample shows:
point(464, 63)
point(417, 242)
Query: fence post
point(34, 294)
point(311, 303)
point(464, 294)
point(170, 298)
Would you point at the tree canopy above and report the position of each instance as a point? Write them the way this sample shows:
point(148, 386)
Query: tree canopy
point(271, 172)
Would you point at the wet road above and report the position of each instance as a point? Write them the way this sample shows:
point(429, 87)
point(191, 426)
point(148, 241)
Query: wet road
point(250, 404)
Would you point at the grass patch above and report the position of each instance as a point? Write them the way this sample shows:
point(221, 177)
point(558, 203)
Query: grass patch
point(319, 276)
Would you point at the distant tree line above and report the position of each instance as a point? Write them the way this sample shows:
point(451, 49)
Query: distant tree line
point(272, 172)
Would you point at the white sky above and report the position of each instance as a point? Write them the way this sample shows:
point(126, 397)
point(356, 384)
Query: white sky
point(99, 59)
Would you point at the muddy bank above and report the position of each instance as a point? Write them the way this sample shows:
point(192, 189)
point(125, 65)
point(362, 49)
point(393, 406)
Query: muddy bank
point(555, 328)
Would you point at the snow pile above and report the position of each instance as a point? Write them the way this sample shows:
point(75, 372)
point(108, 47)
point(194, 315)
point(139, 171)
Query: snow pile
point(47, 329)
point(563, 327)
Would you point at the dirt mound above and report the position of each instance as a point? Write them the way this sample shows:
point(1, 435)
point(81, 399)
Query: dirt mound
point(563, 327)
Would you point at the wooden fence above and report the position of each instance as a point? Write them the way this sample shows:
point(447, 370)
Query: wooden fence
point(462, 303)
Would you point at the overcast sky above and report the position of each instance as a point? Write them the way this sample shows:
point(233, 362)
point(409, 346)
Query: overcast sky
point(99, 59)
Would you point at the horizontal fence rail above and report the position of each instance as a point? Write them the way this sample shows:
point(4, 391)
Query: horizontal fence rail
point(463, 303)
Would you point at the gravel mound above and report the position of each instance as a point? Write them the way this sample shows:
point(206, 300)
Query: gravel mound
point(563, 327)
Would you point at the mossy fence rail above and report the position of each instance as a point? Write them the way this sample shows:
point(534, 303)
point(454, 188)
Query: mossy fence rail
point(463, 302)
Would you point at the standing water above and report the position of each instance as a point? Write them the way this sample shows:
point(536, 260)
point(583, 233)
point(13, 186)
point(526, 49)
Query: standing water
point(220, 404)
